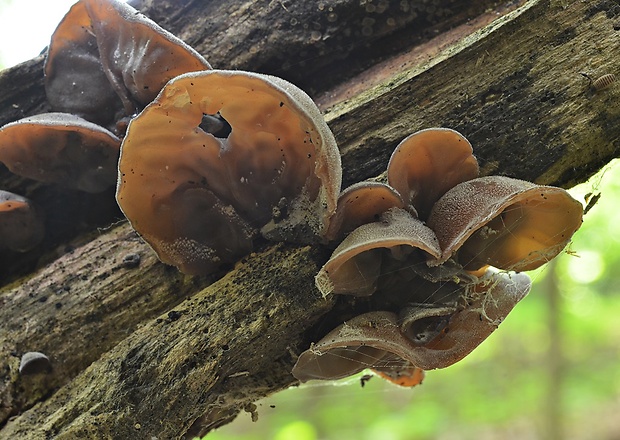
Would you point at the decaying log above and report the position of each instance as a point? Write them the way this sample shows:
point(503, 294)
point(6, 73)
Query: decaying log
point(167, 350)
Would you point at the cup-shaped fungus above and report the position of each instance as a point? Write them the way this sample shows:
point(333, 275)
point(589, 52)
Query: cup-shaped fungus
point(104, 50)
point(428, 163)
point(21, 223)
point(372, 340)
point(277, 171)
point(361, 203)
point(34, 362)
point(355, 265)
point(61, 148)
point(444, 336)
point(503, 222)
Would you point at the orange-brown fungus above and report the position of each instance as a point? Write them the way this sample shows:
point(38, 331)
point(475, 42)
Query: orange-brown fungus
point(503, 222)
point(278, 171)
point(355, 266)
point(427, 164)
point(459, 333)
point(21, 223)
point(361, 203)
point(104, 50)
point(371, 340)
point(61, 148)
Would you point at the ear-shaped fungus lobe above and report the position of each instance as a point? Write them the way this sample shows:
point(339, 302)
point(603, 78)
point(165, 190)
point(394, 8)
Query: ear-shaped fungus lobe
point(371, 340)
point(21, 223)
point(355, 265)
point(362, 203)
point(507, 223)
point(104, 50)
point(428, 163)
point(61, 148)
point(74, 78)
point(459, 333)
point(138, 56)
point(279, 154)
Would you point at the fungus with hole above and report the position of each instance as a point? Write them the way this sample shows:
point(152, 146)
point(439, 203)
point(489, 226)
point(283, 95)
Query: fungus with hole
point(428, 163)
point(61, 148)
point(503, 222)
point(356, 264)
point(371, 340)
point(21, 223)
point(444, 336)
point(197, 199)
point(105, 55)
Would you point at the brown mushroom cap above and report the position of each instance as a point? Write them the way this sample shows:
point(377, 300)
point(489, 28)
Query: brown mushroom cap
point(428, 163)
point(104, 50)
point(21, 223)
point(34, 362)
point(361, 203)
point(277, 171)
point(458, 334)
point(371, 340)
point(74, 78)
point(61, 148)
point(503, 222)
point(355, 265)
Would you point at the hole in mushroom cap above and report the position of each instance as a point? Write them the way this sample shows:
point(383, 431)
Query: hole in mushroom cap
point(278, 170)
point(485, 307)
point(371, 340)
point(428, 163)
point(503, 222)
point(355, 264)
point(215, 125)
point(104, 50)
point(61, 148)
point(21, 223)
point(422, 323)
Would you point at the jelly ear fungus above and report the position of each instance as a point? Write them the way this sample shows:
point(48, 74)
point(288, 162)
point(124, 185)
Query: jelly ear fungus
point(105, 58)
point(198, 199)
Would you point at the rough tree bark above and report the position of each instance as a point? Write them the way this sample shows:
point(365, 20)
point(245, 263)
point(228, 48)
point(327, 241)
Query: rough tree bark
point(149, 353)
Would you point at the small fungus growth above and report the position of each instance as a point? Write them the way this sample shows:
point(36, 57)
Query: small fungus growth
point(21, 223)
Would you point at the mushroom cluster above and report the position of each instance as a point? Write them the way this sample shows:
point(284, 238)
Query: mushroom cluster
point(217, 158)
point(105, 62)
point(440, 250)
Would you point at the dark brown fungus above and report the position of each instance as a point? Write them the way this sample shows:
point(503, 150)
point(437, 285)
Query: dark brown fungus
point(198, 199)
point(34, 362)
point(21, 223)
point(422, 323)
point(371, 340)
point(444, 336)
point(361, 203)
point(61, 148)
point(428, 163)
point(503, 222)
point(355, 265)
point(104, 50)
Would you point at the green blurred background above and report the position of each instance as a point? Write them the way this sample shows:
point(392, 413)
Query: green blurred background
point(549, 372)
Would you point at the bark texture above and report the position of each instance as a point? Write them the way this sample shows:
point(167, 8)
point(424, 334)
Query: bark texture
point(142, 352)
